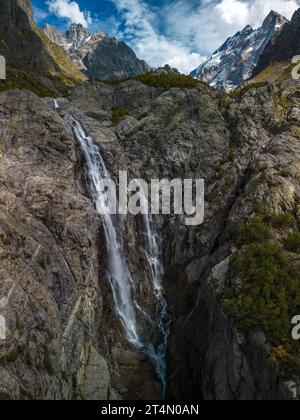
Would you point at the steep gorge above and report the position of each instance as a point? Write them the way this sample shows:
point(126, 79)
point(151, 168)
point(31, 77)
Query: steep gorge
point(65, 340)
point(91, 302)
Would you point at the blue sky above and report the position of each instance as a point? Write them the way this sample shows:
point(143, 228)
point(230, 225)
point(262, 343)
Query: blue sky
point(181, 33)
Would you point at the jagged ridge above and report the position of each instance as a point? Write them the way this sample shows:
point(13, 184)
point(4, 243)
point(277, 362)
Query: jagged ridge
point(283, 47)
point(233, 63)
point(98, 55)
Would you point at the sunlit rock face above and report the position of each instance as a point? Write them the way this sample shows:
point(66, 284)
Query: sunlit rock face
point(98, 55)
point(28, 50)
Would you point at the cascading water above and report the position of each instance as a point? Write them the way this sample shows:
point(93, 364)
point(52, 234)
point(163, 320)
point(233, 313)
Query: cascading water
point(153, 251)
point(120, 278)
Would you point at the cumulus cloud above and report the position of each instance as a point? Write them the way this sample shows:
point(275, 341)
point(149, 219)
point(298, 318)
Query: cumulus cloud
point(39, 14)
point(141, 33)
point(207, 24)
point(180, 33)
point(69, 10)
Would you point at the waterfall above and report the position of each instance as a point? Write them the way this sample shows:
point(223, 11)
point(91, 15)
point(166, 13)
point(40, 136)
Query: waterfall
point(120, 279)
point(119, 276)
point(153, 250)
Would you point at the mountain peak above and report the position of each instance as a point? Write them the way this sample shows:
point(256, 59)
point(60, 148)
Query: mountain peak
point(296, 16)
point(98, 55)
point(272, 19)
point(77, 28)
point(77, 35)
point(234, 62)
point(25, 46)
point(247, 28)
point(284, 47)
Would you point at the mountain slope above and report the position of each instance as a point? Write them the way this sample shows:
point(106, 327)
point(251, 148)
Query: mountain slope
point(65, 339)
point(233, 63)
point(98, 55)
point(280, 50)
point(27, 50)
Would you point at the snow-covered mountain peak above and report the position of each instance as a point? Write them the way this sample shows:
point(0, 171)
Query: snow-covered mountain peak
point(235, 60)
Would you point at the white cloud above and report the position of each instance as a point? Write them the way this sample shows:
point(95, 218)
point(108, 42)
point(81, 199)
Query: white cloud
point(205, 25)
point(148, 43)
point(39, 14)
point(232, 11)
point(180, 33)
point(69, 10)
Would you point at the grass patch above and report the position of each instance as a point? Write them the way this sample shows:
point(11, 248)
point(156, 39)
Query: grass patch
point(25, 82)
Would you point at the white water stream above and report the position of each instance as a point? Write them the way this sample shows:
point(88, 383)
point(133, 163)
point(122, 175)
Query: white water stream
point(121, 281)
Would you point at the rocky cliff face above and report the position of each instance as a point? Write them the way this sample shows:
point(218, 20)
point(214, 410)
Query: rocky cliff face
point(231, 284)
point(283, 47)
point(29, 54)
point(64, 339)
point(62, 332)
point(98, 55)
point(234, 62)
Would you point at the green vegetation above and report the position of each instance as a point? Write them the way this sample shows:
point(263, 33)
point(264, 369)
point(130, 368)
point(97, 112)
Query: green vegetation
point(4, 240)
point(270, 295)
point(43, 264)
point(269, 288)
point(61, 187)
point(281, 100)
point(219, 171)
point(241, 91)
point(168, 81)
point(292, 243)
point(281, 221)
point(254, 231)
point(118, 114)
point(165, 81)
point(24, 81)
point(247, 110)
point(12, 356)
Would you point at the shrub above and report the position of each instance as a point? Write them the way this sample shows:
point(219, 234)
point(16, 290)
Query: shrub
point(292, 242)
point(269, 296)
point(254, 231)
point(281, 221)
point(118, 114)
point(43, 264)
point(168, 81)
